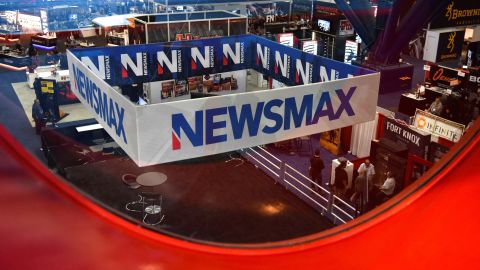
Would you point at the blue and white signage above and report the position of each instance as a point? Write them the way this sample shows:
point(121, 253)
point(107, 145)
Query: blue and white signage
point(330, 95)
point(124, 65)
point(194, 128)
point(115, 113)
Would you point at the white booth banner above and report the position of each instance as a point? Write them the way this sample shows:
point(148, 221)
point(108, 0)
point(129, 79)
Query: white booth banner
point(310, 46)
point(438, 126)
point(184, 129)
point(114, 112)
point(286, 39)
point(200, 127)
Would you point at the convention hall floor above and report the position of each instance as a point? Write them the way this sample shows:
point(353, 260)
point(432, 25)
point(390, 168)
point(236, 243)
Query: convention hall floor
point(206, 199)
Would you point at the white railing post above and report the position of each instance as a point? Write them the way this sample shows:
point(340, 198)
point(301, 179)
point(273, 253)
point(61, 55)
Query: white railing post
point(281, 174)
point(330, 202)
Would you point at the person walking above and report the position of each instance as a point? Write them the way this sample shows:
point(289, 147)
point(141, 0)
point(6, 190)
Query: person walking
point(316, 167)
point(37, 115)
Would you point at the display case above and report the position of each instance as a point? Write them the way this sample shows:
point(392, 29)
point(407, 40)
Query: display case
point(387, 155)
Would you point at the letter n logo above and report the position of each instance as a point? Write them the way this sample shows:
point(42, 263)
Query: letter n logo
point(262, 57)
point(229, 54)
point(97, 70)
point(197, 56)
point(176, 145)
point(164, 62)
point(127, 62)
point(281, 63)
point(302, 75)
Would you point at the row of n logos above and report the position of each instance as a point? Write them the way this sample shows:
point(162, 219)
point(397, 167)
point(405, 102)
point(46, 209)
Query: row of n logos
point(184, 62)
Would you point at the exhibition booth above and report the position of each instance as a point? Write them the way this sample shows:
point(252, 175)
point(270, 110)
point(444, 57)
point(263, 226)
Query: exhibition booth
point(336, 37)
point(13, 59)
point(440, 109)
point(456, 88)
point(329, 95)
point(164, 27)
point(453, 35)
point(9, 37)
point(408, 150)
point(46, 42)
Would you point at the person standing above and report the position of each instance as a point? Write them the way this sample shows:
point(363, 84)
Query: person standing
point(369, 169)
point(341, 179)
point(360, 186)
point(369, 175)
point(437, 107)
point(37, 115)
point(316, 167)
point(386, 190)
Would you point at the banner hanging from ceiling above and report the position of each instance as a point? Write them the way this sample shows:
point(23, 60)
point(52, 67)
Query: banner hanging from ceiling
point(450, 46)
point(458, 13)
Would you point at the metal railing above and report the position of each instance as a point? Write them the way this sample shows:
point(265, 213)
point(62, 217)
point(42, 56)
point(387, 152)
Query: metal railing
point(315, 195)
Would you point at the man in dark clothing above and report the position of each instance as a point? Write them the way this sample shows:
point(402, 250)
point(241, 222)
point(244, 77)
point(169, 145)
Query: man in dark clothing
point(316, 167)
point(341, 179)
point(37, 115)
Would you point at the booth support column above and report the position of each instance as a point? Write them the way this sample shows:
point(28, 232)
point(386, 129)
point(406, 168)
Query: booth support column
point(290, 11)
point(311, 13)
point(168, 29)
point(146, 33)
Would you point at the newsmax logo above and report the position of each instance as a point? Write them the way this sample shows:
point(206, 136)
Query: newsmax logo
point(231, 56)
point(173, 62)
point(205, 59)
point(282, 64)
point(263, 118)
point(100, 66)
point(104, 106)
point(138, 66)
point(263, 57)
point(303, 72)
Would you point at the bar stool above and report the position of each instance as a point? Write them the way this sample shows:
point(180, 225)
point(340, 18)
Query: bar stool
point(152, 209)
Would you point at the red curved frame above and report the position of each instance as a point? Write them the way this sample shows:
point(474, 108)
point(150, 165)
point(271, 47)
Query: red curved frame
point(431, 224)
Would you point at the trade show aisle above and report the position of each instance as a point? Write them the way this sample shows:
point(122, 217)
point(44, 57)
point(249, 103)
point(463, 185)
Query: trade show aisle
point(26, 96)
point(390, 100)
point(13, 115)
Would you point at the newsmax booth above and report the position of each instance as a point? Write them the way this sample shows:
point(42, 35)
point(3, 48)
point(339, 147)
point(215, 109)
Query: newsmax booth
point(322, 95)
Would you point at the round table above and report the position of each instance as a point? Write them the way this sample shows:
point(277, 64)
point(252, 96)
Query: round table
point(151, 179)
